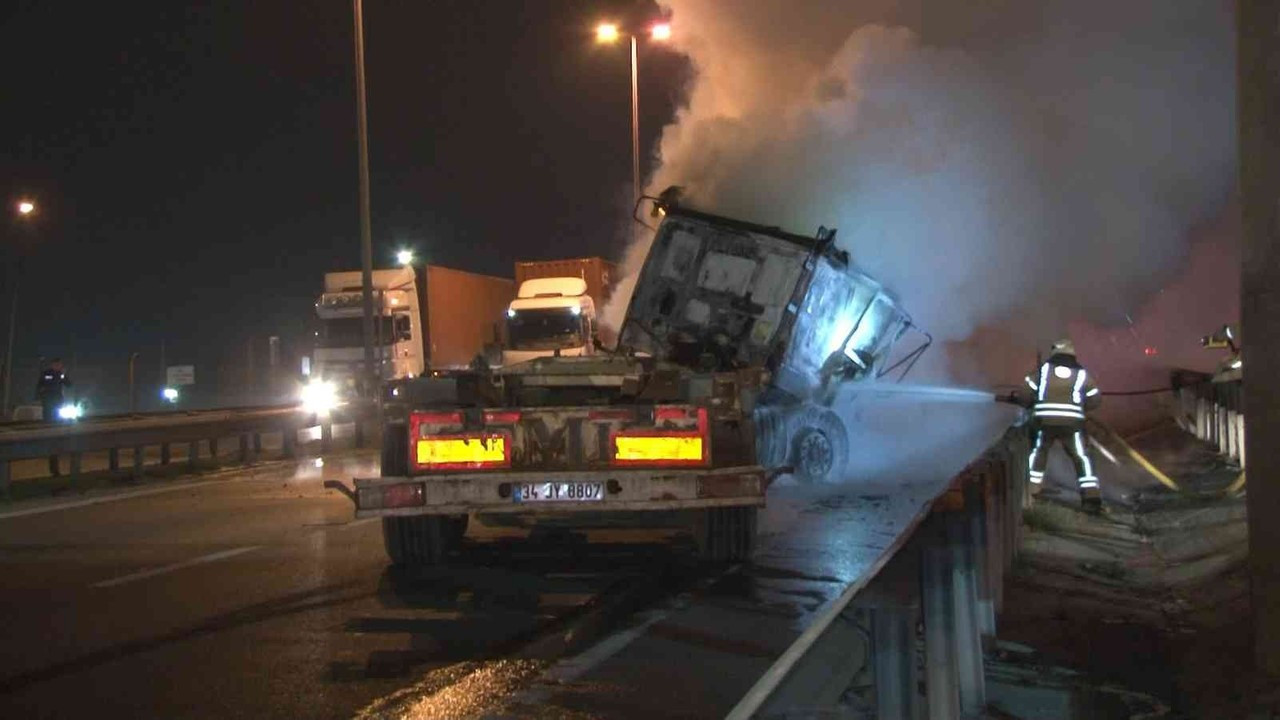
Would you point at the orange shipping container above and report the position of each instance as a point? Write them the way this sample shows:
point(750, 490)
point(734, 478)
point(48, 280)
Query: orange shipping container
point(464, 312)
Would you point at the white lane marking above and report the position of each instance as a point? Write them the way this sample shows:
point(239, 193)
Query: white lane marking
point(144, 574)
point(105, 499)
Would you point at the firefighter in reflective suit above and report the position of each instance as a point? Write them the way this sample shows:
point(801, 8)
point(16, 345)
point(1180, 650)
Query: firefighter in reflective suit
point(1061, 392)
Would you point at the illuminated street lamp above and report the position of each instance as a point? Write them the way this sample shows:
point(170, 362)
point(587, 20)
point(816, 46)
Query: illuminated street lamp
point(608, 33)
point(26, 209)
point(405, 257)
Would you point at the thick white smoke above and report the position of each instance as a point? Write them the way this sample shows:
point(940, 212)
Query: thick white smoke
point(1003, 166)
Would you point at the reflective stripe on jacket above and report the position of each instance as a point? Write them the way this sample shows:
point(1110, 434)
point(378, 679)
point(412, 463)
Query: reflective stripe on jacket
point(1063, 391)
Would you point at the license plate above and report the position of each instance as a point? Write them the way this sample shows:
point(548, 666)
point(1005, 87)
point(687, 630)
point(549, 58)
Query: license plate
point(559, 492)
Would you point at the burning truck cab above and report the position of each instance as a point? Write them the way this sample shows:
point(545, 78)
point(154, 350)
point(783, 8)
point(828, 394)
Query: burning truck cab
point(735, 335)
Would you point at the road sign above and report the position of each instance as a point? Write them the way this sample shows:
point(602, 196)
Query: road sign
point(178, 375)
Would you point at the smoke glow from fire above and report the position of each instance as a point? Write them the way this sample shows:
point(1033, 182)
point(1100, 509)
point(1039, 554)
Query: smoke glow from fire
point(1005, 169)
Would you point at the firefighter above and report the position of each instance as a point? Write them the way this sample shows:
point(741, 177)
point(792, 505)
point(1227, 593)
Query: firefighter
point(49, 390)
point(1061, 392)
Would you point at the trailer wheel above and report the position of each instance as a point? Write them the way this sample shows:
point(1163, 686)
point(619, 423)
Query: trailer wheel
point(422, 539)
point(771, 437)
point(819, 447)
point(726, 534)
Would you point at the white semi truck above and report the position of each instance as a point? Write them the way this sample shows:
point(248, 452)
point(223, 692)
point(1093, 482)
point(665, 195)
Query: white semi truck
point(555, 309)
point(425, 318)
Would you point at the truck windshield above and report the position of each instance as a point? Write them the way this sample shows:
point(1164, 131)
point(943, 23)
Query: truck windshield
point(872, 334)
point(349, 332)
point(544, 329)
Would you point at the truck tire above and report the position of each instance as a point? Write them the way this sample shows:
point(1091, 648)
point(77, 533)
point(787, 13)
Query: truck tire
point(726, 534)
point(772, 447)
point(819, 446)
point(422, 539)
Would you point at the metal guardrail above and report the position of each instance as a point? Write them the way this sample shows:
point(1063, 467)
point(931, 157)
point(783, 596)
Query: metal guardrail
point(908, 637)
point(19, 441)
point(1213, 412)
point(13, 426)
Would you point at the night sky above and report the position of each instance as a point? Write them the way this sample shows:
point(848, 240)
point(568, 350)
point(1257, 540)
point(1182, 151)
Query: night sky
point(195, 163)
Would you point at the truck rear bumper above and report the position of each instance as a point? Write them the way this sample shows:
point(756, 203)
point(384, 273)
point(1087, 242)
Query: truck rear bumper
point(623, 491)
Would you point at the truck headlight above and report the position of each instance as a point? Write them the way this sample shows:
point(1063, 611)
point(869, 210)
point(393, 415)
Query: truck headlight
point(319, 397)
point(70, 411)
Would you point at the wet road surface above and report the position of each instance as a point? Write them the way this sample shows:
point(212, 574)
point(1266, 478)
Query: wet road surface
point(257, 596)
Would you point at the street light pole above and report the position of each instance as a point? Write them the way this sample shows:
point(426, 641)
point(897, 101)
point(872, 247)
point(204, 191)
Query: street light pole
point(366, 232)
point(635, 125)
point(609, 33)
point(133, 396)
point(13, 321)
point(25, 209)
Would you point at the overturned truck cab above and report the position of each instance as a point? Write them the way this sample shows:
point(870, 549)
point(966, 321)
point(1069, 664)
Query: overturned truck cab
point(736, 337)
point(722, 294)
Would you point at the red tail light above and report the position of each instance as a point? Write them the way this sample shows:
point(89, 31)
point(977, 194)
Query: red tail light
point(501, 417)
point(668, 413)
point(392, 496)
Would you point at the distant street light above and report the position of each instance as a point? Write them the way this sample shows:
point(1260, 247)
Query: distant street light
point(609, 33)
point(405, 257)
point(26, 209)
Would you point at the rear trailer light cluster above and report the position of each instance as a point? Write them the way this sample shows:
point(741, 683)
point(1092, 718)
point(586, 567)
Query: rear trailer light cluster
point(392, 496)
point(677, 435)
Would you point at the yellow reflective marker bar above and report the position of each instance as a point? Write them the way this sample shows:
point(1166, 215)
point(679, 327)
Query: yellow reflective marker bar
point(462, 451)
point(657, 448)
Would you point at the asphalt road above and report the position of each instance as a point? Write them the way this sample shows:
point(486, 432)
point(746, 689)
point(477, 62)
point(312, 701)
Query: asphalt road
point(255, 595)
